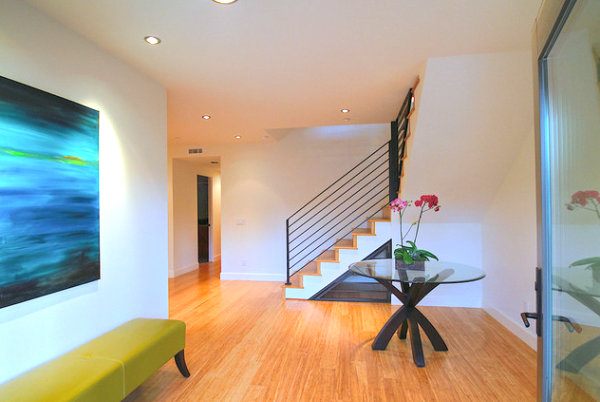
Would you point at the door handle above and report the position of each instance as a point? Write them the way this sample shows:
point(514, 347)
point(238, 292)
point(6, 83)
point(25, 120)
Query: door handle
point(525, 316)
point(571, 326)
point(538, 305)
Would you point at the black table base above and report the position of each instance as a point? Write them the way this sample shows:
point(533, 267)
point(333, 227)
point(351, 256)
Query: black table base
point(584, 353)
point(408, 319)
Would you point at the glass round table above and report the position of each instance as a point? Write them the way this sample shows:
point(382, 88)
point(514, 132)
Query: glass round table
point(415, 284)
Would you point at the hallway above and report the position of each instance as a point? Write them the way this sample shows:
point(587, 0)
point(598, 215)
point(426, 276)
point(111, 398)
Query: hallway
point(245, 342)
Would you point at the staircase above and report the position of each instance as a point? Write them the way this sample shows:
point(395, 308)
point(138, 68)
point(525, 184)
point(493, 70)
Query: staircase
point(332, 263)
point(349, 219)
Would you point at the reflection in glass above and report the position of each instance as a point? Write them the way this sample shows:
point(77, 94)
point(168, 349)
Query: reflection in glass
point(574, 164)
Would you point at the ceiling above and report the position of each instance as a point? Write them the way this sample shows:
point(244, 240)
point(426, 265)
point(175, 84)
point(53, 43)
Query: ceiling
point(264, 66)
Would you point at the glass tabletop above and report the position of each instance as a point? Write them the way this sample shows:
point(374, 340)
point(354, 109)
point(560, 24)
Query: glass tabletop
point(434, 272)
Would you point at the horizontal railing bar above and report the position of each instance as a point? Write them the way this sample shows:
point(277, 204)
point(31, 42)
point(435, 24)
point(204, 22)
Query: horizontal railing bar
point(347, 173)
point(341, 220)
point(349, 188)
point(329, 213)
point(355, 226)
point(331, 194)
point(378, 201)
point(336, 224)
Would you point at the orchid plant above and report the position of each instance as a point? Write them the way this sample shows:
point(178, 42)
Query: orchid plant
point(588, 200)
point(410, 253)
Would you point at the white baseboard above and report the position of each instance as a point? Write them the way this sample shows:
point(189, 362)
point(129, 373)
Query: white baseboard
point(519, 330)
point(183, 270)
point(216, 257)
point(250, 276)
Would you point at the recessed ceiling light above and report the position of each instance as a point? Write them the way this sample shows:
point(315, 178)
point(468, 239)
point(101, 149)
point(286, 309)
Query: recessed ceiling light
point(206, 117)
point(224, 1)
point(346, 119)
point(345, 110)
point(237, 137)
point(153, 40)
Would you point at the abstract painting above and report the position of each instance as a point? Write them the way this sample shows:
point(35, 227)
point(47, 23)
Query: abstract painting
point(49, 193)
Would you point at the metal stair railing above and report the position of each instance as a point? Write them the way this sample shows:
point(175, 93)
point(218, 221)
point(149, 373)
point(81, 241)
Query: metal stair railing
point(350, 201)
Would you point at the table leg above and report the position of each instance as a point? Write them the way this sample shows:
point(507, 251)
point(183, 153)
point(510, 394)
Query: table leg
point(403, 330)
point(580, 356)
point(415, 342)
point(385, 334)
point(434, 336)
point(584, 353)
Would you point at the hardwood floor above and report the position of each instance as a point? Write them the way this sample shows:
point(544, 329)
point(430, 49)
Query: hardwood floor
point(246, 343)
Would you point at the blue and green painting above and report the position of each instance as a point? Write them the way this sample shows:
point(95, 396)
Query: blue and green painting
point(49, 193)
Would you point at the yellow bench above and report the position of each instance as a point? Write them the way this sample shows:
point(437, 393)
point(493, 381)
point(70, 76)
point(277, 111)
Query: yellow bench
point(107, 368)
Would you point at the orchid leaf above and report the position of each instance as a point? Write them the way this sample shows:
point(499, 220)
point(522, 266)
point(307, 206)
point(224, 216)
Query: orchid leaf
point(585, 261)
point(428, 254)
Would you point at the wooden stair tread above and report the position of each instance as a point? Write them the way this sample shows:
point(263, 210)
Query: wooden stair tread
point(327, 255)
point(312, 268)
point(345, 244)
point(363, 232)
point(388, 219)
point(295, 282)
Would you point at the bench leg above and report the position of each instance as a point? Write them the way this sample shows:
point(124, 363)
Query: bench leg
point(180, 362)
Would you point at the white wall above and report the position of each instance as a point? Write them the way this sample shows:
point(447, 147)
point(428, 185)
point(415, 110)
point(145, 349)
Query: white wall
point(185, 213)
point(510, 246)
point(39, 52)
point(453, 242)
point(474, 114)
point(264, 183)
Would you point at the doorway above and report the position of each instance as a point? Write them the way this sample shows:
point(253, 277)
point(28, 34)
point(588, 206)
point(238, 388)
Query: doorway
point(203, 218)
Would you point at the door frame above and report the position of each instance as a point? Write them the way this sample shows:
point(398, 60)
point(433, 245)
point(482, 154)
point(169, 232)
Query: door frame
point(551, 18)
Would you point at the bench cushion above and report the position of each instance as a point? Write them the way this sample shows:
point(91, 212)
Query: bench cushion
point(105, 369)
point(142, 345)
point(68, 378)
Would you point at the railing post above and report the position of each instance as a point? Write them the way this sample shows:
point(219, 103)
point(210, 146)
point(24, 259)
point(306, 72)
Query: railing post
point(287, 250)
point(393, 158)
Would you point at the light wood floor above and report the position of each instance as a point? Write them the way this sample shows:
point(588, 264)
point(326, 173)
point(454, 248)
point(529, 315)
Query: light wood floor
point(245, 342)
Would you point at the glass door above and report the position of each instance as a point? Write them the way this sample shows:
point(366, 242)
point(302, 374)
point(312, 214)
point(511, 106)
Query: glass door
point(568, 46)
